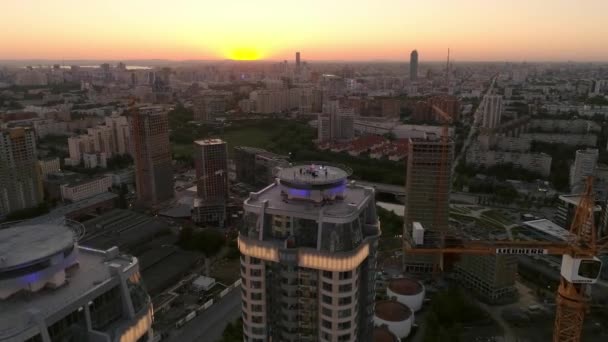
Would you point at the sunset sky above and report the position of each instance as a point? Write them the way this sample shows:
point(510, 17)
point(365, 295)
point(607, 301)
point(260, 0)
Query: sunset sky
point(475, 30)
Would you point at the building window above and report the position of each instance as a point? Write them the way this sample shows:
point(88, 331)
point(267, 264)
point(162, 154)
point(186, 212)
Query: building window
point(326, 324)
point(258, 331)
point(326, 299)
point(327, 287)
point(139, 296)
point(344, 325)
point(256, 284)
point(255, 273)
point(72, 327)
point(106, 309)
point(256, 308)
point(327, 274)
point(346, 275)
point(345, 301)
point(346, 288)
point(344, 338)
point(326, 312)
point(344, 313)
point(256, 296)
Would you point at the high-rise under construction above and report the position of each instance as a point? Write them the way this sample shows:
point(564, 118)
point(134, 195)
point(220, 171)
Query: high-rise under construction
point(153, 170)
point(211, 161)
point(428, 184)
point(20, 182)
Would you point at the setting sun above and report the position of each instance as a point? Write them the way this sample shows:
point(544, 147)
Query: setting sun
point(245, 54)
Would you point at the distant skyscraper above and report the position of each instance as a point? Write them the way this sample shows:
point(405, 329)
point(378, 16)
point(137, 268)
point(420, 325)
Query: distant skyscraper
point(428, 184)
point(584, 166)
point(298, 61)
point(308, 248)
point(492, 111)
point(152, 150)
point(414, 65)
point(20, 180)
point(211, 162)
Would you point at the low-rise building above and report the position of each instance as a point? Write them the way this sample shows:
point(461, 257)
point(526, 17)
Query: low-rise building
point(535, 162)
point(55, 290)
point(93, 160)
point(79, 190)
point(568, 139)
point(48, 166)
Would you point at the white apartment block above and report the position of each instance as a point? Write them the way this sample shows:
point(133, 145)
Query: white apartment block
point(536, 162)
point(565, 126)
point(584, 165)
point(50, 127)
point(558, 138)
point(504, 143)
point(48, 166)
point(80, 190)
point(120, 133)
point(111, 138)
point(93, 160)
point(492, 111)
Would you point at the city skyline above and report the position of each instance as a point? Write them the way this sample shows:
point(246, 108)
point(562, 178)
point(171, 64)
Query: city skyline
point(187, 30)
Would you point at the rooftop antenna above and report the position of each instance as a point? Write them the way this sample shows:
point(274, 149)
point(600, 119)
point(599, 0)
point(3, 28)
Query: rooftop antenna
point(447, 72)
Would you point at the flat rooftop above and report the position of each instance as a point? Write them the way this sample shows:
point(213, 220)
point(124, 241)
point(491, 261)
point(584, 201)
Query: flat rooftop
point(22, 245)
point(405, 286)
point(575, 200)
point(312, 174)
point(17, 311)
point(382, 334)
point(549, 228)
point(57, 215)
point(354, 197)
point(206, 142)
point(392, 311)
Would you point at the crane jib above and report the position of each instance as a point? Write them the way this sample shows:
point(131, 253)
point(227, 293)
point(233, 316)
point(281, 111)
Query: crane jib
point(519, 250)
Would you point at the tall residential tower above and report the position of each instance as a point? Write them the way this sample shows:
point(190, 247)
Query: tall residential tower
point(152, 152)
point(428, 184)
point(20, 180)
point(211, 162)
point(308, 254)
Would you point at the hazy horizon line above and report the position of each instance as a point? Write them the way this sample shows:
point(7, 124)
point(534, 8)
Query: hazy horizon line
point(376, 60)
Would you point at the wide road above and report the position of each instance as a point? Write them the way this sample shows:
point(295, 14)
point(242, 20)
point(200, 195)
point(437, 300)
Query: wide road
point(474, 125)
point(210, 325)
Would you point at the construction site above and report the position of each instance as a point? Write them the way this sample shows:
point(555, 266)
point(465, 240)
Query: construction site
point(531, 282)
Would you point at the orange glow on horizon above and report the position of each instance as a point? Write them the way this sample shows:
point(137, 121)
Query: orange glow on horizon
point(474, 30)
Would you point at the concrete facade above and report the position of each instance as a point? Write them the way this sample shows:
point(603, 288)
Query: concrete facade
point(20, 179)
point(308, 251)
point(153, 164)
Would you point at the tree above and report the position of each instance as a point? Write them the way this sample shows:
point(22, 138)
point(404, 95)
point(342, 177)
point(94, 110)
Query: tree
point(233, 332)
point(209, 242)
